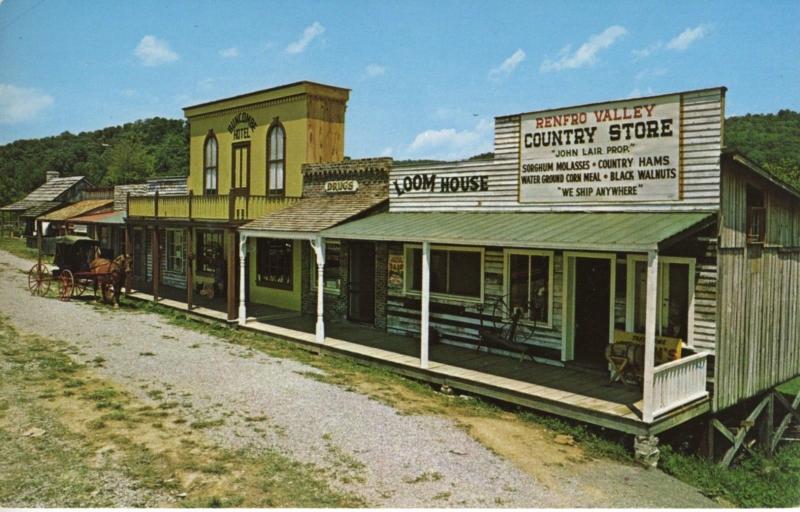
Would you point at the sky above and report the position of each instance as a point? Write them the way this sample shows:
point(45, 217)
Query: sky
point(427, 78)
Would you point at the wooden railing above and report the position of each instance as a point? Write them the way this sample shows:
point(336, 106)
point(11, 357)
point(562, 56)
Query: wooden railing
point(679, 382)
point(206, 207)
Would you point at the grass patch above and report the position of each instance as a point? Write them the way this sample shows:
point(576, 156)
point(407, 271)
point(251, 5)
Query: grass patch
point(204, 424)
point(67, 466)
point(424, 477)
point(18, 247)
point(756, 482)
point(790, 388)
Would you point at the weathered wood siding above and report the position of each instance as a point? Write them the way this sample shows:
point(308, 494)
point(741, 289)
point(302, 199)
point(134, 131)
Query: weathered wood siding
point(701, 141)
point(758, 291)
point(458, 320)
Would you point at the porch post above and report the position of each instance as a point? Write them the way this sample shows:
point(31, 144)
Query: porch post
point(39, 236)
point(156, 273)
point(319, 251)
point(425, 304)
point(189, 269)
point(230, 285)
point(242, 287)
point(650, 335)
point(128, 276)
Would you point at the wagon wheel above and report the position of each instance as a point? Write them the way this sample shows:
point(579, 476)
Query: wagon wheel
point(79, 287)
point(502, 317)
point(66, 282)
point(39, 279)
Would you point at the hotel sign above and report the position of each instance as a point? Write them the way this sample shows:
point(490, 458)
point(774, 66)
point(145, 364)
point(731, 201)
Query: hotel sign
point(615, 152)
point(242, 126)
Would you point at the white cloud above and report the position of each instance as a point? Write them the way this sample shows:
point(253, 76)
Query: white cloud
point(508, 66)
point(586, 55)
point(650, 73)
point(229, 53)
point(19, 104)
point(647, 51)
point(683, 40)
point(153, 51)
point(309, 34)
point(452, 144)
point(387, 151)
point(374, 70)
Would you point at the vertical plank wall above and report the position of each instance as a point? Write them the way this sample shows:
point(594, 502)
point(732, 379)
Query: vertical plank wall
point(759, 292)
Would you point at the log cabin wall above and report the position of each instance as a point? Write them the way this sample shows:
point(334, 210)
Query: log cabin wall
point(758, 290)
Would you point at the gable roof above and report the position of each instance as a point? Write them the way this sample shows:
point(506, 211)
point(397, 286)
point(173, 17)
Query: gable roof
point(41, 209)
point(51, 190)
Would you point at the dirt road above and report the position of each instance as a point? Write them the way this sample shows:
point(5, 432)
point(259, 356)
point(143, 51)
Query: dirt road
point(380, 453)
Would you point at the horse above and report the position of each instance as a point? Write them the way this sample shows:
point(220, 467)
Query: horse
point(112, 275)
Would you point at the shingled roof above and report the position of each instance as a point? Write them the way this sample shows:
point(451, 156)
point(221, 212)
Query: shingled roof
point(51, 190)
point(313, 214)
point(41, 209)
point(79, 208)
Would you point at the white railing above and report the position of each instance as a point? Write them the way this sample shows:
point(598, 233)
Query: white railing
point(679, 382)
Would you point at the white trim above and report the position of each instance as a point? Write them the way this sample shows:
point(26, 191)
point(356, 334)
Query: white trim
point(663, 288)
point(550, 278)
point(568, 299)
point(286, 235)
point(407, 276)
point(242, 285)
point(650, 336)
point(313, 284)
point(425, 305)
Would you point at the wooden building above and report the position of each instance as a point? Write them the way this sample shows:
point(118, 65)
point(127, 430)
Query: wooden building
point(595, 225)
point(245, 157)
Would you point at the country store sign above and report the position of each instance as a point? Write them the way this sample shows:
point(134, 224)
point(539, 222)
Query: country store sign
point(621, 151)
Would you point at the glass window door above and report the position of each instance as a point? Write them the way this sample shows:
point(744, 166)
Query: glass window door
point(240, 178)
point(675, 292)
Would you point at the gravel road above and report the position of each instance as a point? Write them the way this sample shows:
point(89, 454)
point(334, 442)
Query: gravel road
point(390, 459)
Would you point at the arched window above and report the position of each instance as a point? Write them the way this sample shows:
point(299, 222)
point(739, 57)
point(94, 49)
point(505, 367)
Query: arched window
point(210, 167)
point(276, 164)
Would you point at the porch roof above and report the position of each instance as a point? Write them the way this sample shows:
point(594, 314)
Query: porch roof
point(115, 217)
point(78, 209)
point(627, 232)
point(306, 218)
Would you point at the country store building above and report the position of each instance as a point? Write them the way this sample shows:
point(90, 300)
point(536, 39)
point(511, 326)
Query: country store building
point(607, 241)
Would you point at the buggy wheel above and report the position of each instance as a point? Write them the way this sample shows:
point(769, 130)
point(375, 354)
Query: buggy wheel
point(66, 285)
point(39, 279)
point(79, 288)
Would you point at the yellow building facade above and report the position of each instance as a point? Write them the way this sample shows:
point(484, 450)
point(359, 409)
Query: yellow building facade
point(245, 158)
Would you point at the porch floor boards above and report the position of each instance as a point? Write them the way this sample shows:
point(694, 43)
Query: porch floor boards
point(586, 390)
point(580, 394)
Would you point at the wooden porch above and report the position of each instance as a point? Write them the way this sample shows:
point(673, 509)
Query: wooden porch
point(582, 395)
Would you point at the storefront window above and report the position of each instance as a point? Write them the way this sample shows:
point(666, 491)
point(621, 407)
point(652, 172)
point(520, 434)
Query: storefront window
point(332, 272)
point(456, 272)
point(209, 250)
point(274, 263)
point(175, 251)
point(528, 284)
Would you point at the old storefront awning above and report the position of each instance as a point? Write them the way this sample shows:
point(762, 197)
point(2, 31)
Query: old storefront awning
point(78, 209)
point(626, 232)
point(306, 218)
point(115, 217)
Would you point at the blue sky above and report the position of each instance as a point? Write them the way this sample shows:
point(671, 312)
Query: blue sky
point(427, 78)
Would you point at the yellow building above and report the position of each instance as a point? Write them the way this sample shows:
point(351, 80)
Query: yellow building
point(245, 158)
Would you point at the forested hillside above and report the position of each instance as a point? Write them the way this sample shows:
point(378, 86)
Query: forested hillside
point(159, 147)
point(114, 155)
point(770, 140)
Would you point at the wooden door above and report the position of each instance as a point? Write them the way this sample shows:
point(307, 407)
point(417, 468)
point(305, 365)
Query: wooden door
point(240, 168)
point(592, 303)
point(361, 284)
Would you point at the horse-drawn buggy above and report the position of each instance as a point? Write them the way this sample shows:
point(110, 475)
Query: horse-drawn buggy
point(76, 266)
